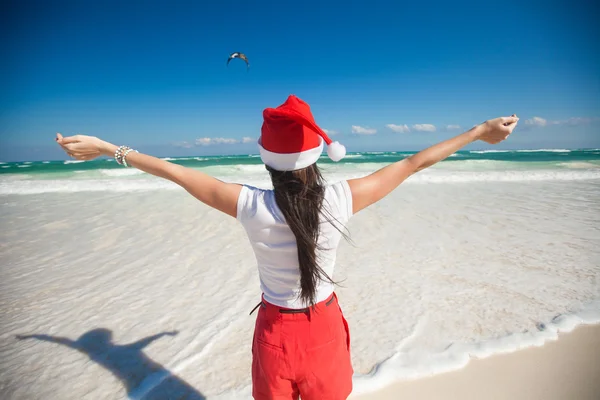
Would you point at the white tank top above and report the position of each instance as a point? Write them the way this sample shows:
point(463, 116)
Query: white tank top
point(274, 243)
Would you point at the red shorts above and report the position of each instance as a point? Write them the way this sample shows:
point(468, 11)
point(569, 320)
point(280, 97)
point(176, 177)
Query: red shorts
point(301, 354)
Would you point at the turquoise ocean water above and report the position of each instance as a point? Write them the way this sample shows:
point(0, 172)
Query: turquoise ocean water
point(478, 165)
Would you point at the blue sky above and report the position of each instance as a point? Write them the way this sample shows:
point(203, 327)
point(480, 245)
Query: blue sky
point(380, 74)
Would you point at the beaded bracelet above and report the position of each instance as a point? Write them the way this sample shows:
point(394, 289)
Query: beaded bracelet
point(125, 156)
point(121, 153)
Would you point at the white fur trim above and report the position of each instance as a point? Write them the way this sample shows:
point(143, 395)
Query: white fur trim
point(290, 161)
point(336, 151)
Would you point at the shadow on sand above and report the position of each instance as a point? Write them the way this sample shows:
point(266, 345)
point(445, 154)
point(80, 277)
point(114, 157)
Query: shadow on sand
point(142, 377)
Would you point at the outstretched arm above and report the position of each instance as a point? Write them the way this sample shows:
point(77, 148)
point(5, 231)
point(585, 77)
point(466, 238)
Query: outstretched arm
point(48, 338)
point(374, 187)
point(209, 190)
point(140, 344)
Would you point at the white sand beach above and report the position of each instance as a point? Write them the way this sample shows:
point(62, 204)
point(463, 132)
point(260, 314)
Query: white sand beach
point(564, 369)
point(437, 273)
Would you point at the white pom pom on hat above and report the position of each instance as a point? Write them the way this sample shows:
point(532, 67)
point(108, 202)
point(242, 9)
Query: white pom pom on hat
point(290, 138)
point(336, 151)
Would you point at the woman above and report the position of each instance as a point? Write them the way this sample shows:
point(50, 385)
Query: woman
point(301, 344)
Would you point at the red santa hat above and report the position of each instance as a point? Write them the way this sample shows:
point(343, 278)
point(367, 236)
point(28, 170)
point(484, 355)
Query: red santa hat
point(290, 139)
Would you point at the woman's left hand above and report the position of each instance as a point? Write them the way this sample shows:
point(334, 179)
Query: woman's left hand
point(81, 147)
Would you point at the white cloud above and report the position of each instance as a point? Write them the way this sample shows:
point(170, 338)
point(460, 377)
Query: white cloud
point(206, 141)
point(424, 127)
point(398, 128)
point(330, 132)
point(184, 144)
point(574, 121)
point(363, 130)
point(203, 141)
point(219, 140)
point(536, 121)
point(451, 127)
point(579, 120)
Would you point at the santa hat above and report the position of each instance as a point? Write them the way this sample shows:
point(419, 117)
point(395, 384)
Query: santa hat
point(290, 139)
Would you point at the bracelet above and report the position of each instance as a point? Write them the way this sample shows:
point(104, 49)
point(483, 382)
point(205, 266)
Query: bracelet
point(119, 154)
point(124, 158)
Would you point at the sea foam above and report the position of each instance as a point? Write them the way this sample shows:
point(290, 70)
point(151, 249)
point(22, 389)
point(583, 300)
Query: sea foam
point(123, 180)
point(121, 172)
point(406, 365)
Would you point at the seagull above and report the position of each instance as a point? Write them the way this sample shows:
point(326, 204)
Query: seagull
point(239, 55)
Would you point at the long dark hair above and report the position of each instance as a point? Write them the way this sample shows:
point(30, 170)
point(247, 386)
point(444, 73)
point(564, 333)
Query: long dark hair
point(299, 195)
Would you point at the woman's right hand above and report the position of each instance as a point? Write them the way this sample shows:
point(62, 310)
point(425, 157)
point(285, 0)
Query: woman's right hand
point(496, 130)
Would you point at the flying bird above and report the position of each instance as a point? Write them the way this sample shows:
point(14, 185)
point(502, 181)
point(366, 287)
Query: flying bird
point(239, 55)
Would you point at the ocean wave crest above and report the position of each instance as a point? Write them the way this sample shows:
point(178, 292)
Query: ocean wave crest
point(115, 183)
point(404, 365)
point(521, 151)
point(544, 151)
point(121, 172)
